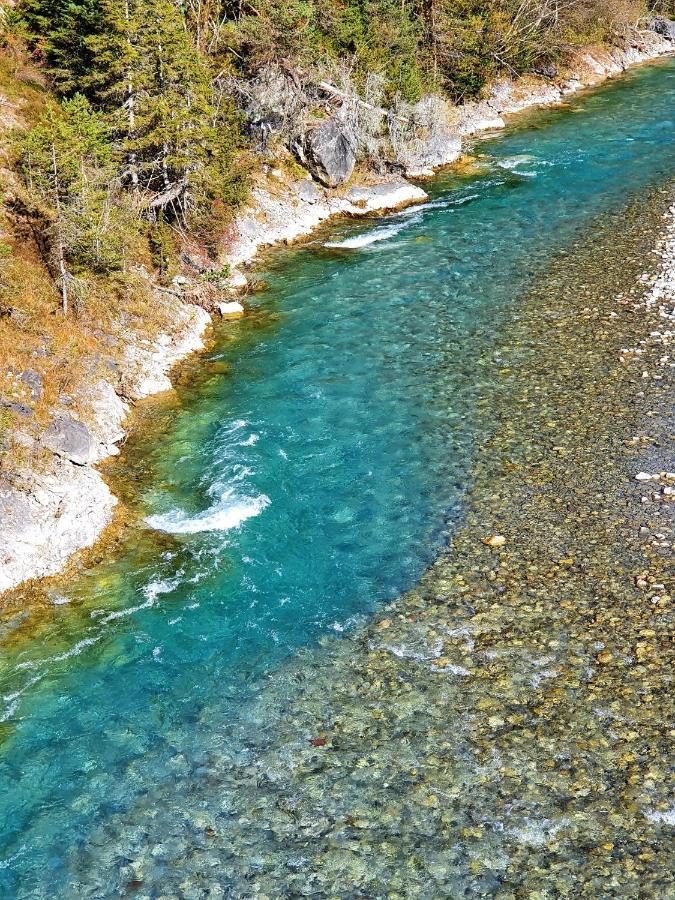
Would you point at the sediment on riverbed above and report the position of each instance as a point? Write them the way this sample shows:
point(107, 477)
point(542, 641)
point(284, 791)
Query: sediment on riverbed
point(52, 514)
point(503, 729)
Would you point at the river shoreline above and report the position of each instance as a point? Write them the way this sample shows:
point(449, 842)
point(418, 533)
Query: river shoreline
point(67, 508)
point(437, 663)
point(542, 635)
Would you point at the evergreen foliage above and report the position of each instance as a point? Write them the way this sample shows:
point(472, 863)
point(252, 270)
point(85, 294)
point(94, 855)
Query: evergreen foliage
point(177, 140)
point(68, 166)
point(60, 29)
point(147, 128)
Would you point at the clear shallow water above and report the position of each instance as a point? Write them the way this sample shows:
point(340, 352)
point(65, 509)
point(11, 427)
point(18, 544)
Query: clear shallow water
point(310, 481)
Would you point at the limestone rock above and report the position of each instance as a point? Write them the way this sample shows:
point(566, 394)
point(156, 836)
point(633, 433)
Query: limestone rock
point(232, 310)
point(307, 191)
point(48, 520)
point(392, 194)
point(273, 217)
point(329, 151)
point(107, 415)
point(147, 362)
point(69, 438)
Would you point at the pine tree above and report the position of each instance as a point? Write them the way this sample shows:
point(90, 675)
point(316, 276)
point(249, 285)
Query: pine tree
point(66, 161)
point(157, 86)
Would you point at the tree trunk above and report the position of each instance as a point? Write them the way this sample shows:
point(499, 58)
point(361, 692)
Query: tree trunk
point(131, 108)
point(60, 254)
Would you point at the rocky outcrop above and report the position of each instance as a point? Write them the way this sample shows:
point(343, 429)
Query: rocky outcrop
point(425, 137)
point(665, 27)
point(47, 515)
point(591, 67)
point(147, 362)
point(50, 517)
point(329, 152)
point(283, 213)
point(416, 139)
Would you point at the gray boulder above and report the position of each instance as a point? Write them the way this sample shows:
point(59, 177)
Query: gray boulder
point(665, 27)
point(307, 191)
point(329, 152)
point(70, 439)
point(33, 382)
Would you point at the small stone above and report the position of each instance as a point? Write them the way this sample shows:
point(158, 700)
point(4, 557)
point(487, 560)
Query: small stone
point(497, 540)
point(232, 310)
point(33, 382)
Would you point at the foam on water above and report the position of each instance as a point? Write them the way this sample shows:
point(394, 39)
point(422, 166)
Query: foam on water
point(398, 221)
point(60, 657)
point(512, 162)
point(381, 233)
point(665, 817)
point(229, 512)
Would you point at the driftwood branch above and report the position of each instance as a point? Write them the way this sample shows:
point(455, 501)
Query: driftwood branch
point(336, 92)
point(166, 197)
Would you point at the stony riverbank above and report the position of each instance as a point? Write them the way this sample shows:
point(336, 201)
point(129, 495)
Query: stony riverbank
point(503, 730)
point(48, 516)
point(284, 210)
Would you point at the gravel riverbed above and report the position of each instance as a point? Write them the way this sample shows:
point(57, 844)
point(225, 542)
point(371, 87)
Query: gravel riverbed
point(504, 729)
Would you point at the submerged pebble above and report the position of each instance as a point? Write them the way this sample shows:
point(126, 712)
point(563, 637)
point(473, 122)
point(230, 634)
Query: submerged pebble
point(502, 730)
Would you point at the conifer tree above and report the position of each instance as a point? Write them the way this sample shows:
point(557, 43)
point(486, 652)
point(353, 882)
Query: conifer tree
point(59, 30)
point(151, 77)
point(66, 162)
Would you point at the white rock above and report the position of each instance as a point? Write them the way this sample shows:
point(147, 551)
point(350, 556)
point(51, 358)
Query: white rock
point(237, 279)
point(43, 526)
point(231, 310)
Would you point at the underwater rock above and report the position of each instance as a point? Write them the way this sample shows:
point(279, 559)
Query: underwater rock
point(497, 540)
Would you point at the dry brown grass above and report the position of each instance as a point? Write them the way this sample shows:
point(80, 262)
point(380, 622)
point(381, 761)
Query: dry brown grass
point(66, 352)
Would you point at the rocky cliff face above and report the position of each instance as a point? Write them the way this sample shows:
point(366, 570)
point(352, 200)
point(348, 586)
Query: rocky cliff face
point(47, 516)
point(49, 512)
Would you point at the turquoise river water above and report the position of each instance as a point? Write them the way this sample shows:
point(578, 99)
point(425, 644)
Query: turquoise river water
point(309, 472)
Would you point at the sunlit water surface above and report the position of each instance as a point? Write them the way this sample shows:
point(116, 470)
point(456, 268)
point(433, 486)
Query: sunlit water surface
point(311, 476)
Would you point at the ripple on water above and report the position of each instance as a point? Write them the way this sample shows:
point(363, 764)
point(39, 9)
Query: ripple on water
point(402, 392)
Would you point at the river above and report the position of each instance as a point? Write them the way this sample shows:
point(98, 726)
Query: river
point(309, 471)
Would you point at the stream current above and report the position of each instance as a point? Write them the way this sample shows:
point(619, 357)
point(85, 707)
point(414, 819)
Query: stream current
point(307, 474)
